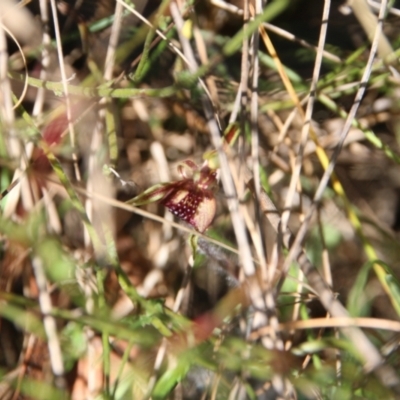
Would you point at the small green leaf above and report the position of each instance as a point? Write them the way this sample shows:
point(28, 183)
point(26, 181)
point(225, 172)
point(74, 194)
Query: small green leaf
point(170, 378)
point(74, 344)
point(357, 302)
point(57, 263)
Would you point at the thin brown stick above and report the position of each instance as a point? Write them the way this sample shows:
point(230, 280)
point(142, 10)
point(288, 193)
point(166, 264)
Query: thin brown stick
point(333, 322)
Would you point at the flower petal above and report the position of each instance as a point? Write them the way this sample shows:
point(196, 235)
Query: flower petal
point(196, 207)
point(152, 194)
point(205, 213)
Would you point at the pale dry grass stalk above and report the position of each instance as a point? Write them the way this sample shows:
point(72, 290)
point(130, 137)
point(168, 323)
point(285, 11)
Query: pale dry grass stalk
point(294, 181)
point(45, 57)
point(333, 322)
point(100, 214)
point(370, 23)
point(372, 360)
point(293, 38)
point(230, 192)
point(295, 249)
point(64, 80)
point(377, 5)
point(203, 56)
point(157, 31)
point(279, 31)
point(259, 242)
point(50, 327)
point(15, 148)
point(159, 157)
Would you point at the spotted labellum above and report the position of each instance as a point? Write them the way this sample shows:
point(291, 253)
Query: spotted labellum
point(190, 199)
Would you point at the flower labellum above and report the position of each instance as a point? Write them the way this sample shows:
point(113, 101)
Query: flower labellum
point(190, 199)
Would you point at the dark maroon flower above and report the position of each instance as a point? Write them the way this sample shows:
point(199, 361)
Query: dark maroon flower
point(190, 199)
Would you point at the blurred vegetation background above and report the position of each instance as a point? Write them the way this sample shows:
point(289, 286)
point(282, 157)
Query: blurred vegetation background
point(281, 280)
